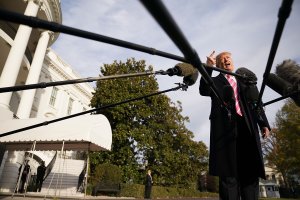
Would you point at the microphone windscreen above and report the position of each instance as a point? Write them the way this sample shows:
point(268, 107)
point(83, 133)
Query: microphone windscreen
point(248, 74)
point(289, 70)
point(228, 94)
point(252, 93)
point(278, 84)
point(191, 79)
point(185, 69)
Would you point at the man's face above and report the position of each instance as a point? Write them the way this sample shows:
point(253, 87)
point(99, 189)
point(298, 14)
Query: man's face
point(225, 62)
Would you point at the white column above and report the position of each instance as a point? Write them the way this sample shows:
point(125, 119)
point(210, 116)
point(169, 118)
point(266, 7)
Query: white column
point(33, 76)
point(13, 63)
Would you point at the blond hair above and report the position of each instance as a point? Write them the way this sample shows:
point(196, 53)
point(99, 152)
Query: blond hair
point(218, 58)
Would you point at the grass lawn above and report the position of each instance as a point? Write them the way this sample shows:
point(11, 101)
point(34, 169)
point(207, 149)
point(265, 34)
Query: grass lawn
point(277, 199)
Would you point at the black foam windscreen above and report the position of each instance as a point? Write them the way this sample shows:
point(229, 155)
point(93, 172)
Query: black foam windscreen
point(283, 87)
point(192, 78)
point(249, 76)
point(289, 70)
point(185, 69)
point(278, 84)
point(252, 93)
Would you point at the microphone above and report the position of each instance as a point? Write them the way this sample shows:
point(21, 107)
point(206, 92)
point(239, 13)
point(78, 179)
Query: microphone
point(287, 80)
point(252, 94)
point(191, 79)
point(181, 69)
point(248, 85)
point(190, 74)
point(278, 84)
point(289, 70)
point(248, 76)
point(282, 87)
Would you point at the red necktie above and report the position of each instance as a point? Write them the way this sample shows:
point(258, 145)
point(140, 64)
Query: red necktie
point(232, 82)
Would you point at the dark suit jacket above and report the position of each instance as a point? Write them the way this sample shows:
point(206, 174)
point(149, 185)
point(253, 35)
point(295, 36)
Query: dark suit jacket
point(41, 172)
point(223, 132)
point(148, 182)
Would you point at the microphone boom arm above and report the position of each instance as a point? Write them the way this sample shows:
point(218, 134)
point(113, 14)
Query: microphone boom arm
point(284, 12)
point(75, 81)
point(45, 123)
point(55, 27)
point(160, 13)
point(281, 98)
point(92, 79)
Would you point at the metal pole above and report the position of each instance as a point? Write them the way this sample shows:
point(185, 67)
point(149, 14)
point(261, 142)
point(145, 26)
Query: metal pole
point(86, 173)
point(55, 27)
point(74, 81)
point(162, 16)
point(61, 153)
point(281, 98)
point(27, 179)
point(183, 86)
point(91, 79)
point(284, 13)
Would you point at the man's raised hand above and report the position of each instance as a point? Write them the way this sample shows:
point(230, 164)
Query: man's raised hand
point(211, 59)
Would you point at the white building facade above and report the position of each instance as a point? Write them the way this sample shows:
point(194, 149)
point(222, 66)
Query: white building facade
point(270, 187)
point(26, 58)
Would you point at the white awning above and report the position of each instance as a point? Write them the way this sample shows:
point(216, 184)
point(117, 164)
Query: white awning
point(86, 132)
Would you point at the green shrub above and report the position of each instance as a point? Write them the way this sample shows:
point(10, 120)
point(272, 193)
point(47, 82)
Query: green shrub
point(106, 173)
point(132, 190)
point(137, 191)
point(89, 189)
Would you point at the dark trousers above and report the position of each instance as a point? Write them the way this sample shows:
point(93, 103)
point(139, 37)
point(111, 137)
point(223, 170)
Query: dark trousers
point(231, 188)
point(148, 189)
point(22, 187)
point(246, 185)
point(39, 184)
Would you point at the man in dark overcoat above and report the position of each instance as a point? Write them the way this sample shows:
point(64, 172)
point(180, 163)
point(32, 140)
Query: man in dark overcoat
point(41, 170)
point(235, 149)
point(148, 185)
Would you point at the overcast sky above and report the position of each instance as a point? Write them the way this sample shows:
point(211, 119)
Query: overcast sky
point(245, 28)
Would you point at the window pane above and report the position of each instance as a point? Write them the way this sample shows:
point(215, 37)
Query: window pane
point(70, 105)
point(53, 96)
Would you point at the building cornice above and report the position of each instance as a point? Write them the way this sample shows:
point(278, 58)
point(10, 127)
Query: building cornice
point(53, 10)
point(66, 76)
point(53, 13)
